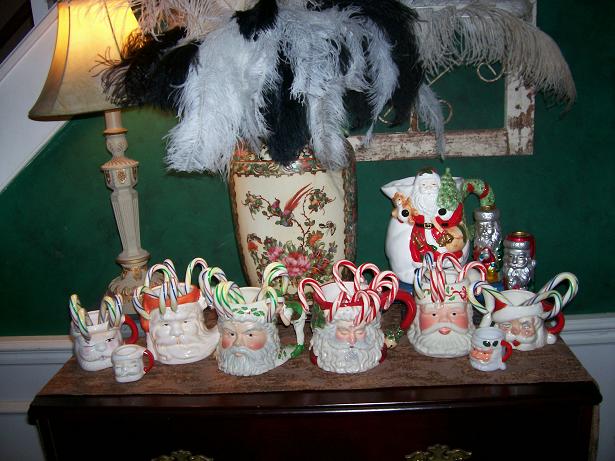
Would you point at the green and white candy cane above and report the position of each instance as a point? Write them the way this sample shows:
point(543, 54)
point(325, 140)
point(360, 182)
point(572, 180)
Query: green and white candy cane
point(111, 311)
point(492, 294)
point(205, 280)
point(137, 295)
point(571, 292)
point(557, 300)
point(227, 293)
point(168, 288)
point(188, 278)
point(273, 271)
point(79, 316)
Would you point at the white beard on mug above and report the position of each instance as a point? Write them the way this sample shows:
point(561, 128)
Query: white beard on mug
point(432, 343)
point(425, 202)
point(243, 361)
point(340, 357)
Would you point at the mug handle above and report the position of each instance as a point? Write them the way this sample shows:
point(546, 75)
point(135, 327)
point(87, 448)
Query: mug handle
point(150, 360)
point(407, 299)
point(134, 332)
point(559, 324)
point(508, 352)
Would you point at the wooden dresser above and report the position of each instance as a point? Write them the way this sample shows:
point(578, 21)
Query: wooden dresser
point(298, 412)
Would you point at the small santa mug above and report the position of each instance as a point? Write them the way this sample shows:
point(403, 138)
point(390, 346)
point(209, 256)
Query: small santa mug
point(486, 353)
point(128, 363)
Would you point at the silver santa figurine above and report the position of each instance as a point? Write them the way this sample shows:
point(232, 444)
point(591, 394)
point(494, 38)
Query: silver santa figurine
point(519, 262)
point(487, 247)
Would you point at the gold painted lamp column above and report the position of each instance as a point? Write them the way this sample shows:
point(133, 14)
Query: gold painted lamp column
point(121, 176)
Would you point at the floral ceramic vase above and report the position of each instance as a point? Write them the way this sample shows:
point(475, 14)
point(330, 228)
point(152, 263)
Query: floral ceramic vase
point(301, 215)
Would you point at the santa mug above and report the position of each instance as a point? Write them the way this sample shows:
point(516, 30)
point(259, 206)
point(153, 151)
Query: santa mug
point(247, 320)
point(347, 337)
point(96, 334)
point(172, 316)
point(128, 363)
point(487, 346)
point(529, 320)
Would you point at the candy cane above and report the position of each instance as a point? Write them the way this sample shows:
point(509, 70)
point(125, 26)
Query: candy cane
point(359, 280)
point(168, 288)
point(370, 305)
point(78, 314)
point(481, 286)
point(195, 262)
point(271, 295)
point(274, 271)
point(337, 303)
point(225, 294)
point(169, 264)
point(137, 295)
point(571, 292)
point(453, 259)
point(301, 292)
point(205, 279)
point(113, 306)
point(473, 265)
point(386, 279)
point(558, 302)
point(338, 278)
point(437, 283)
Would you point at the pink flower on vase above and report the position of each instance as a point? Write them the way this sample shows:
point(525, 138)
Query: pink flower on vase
point(297, 264)
point(273, 253)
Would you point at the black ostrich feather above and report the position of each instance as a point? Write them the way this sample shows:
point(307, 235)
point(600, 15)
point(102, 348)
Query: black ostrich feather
point(259, 18)
point(151, 70)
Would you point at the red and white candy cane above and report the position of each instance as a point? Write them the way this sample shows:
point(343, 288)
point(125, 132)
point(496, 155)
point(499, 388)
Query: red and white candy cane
point(340, 301)
point(338, 277)
point(370, 305)
point(480, 267)
point(386, 280)
point(452, 258)
point(301, 292)
point(437, 284)
point(359, 281)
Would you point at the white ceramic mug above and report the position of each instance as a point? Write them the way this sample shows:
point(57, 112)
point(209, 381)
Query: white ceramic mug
point(486, 353)
point(128, 362)
point(94, 351)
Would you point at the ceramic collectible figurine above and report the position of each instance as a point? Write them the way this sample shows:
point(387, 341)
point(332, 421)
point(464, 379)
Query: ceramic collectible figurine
point(519, 262)
point(443, 325)
point(487, 345)
point(96, 334)
point(488, 241)
point(428, 218)
point(128, 363)
point(172, 316)
point(247, 319)
point(346, 329)
point(521, 314)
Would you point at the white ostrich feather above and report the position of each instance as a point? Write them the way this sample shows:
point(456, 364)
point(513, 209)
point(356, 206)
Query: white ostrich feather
point(429, 110)
point(220, 101)
point(479, 33)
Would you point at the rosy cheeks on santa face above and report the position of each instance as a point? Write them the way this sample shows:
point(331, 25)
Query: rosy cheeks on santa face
point(453, 313)
point(252, 338)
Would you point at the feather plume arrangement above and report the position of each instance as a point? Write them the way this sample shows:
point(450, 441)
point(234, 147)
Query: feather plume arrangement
point(473, 33)
point(280, 73)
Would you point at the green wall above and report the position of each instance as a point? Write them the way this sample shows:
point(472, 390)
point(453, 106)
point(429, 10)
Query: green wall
point(59, 237)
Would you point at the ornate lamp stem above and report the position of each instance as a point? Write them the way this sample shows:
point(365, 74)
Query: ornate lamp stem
point(121, 177)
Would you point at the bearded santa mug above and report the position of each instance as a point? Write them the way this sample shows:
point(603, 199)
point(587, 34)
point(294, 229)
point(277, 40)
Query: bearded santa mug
point(345, 345)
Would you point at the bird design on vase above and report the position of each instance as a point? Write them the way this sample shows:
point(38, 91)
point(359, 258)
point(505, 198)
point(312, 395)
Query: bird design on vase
point(286, 214)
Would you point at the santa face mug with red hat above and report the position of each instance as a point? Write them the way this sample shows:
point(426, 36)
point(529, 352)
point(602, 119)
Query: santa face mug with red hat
point(172, 316)
point(247, 319)
point(443, 325)
point(428, 218)
point(523, 315)
point(347, 337)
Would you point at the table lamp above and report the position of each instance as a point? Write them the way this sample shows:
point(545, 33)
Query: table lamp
point(90, 34)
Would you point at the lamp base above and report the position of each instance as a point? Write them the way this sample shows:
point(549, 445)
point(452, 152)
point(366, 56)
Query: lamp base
point(132, 276)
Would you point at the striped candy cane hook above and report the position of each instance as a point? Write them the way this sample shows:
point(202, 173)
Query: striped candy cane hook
point(205, 280)
point(188, 278)
point(78, 314)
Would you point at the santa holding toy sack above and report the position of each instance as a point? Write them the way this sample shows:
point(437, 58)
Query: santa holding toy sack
point(428, 218)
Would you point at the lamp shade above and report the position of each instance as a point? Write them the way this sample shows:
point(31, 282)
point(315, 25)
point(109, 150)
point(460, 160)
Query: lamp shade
point(90, 32)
